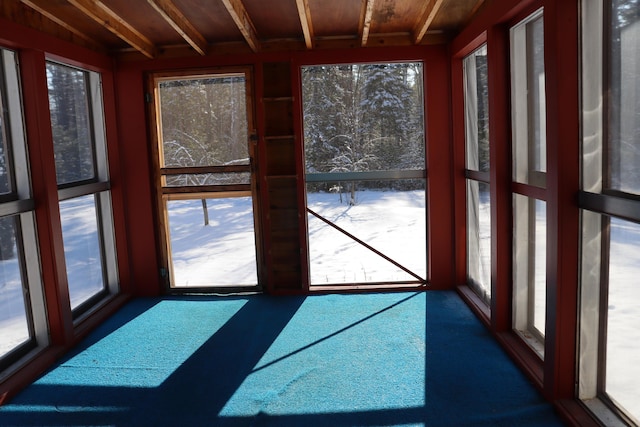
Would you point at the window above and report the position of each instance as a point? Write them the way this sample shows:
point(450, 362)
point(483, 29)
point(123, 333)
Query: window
point(624, 103)
point(365, 173)
point(528, 175)
point(528, 102)
point(609, 295)
point(476, 97)
point(22, 316)
point(75, 102)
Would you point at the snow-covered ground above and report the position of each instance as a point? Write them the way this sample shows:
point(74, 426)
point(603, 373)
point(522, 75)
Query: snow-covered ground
point(81, 248)
point(393, 222)
point(223, 253)
point(623, 320)
point(13, 324)
point(219, 254)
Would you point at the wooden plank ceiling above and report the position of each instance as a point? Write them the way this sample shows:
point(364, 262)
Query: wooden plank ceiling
point(156, 28)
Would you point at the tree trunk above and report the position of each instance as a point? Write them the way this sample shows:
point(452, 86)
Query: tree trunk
point(352, 199)
point(205, 211)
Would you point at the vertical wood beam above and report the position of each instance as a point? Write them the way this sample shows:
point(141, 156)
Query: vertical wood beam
point(562, 66)
point(170, 12)
point(45, 192)
point(500, 175)
point(242, 19)
point(135, 167)
point(439, 157)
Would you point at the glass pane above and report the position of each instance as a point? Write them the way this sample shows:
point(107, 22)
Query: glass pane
point(212, 242)
point(5, 167)
point(228, 178)
point(204, 121)
point(589, 304)
point(363, 117)
point(528, 102)
point(70, 124)
point(529, 265)
point(624, 72)
point(14, 325)
point(479, 237)
point(592, 90)
point(82, 248)
point(389, 216)
point(538, 306)
point(476, 97)
point(623, 321)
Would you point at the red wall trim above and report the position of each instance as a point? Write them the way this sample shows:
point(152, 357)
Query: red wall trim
point(298, 127)
point(459, 165)
point(136, 176)
point(45, 194)
point(460, 52)
point(440, 198)
point(118, 186)
point(562, 64)
point(500, 155)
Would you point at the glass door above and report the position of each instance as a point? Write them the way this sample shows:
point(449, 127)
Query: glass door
point(204, 178)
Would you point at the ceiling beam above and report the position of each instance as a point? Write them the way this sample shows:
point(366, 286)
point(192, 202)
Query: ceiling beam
point(100, 13)
point(170, 12)
point(429, 11)
point(305, 21)
point(240, 16)
point(365, 21)
point(36, 5)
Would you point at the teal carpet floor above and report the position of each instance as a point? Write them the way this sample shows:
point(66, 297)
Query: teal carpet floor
point(378, 359)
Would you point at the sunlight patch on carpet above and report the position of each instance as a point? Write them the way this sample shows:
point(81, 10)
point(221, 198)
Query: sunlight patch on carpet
point(380, 341)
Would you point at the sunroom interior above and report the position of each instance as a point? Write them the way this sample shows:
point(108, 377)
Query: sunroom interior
point(191, 148)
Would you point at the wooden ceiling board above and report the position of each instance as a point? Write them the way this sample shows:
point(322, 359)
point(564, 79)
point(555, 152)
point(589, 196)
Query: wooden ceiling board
point(146, 20)
point(211, 19)
point(395, 16)
point(14, 11)
point(180, 27)
point(335, 18)
point(453, 14)
point(274, 19)
point(68, 16)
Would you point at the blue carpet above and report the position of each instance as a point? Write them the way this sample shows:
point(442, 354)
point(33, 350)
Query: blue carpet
point(379, 359)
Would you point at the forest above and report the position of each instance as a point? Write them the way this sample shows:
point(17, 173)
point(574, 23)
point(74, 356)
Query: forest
point(363, 117)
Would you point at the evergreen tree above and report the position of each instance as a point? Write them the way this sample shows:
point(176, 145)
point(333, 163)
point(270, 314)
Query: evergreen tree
point(363, 117)
point(482, 87)
point(70, 124)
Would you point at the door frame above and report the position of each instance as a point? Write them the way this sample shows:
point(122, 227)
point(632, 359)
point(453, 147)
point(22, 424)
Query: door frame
point(161, 194)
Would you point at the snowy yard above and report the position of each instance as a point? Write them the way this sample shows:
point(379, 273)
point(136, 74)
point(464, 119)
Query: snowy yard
point(392, 222)
point(219, 254)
